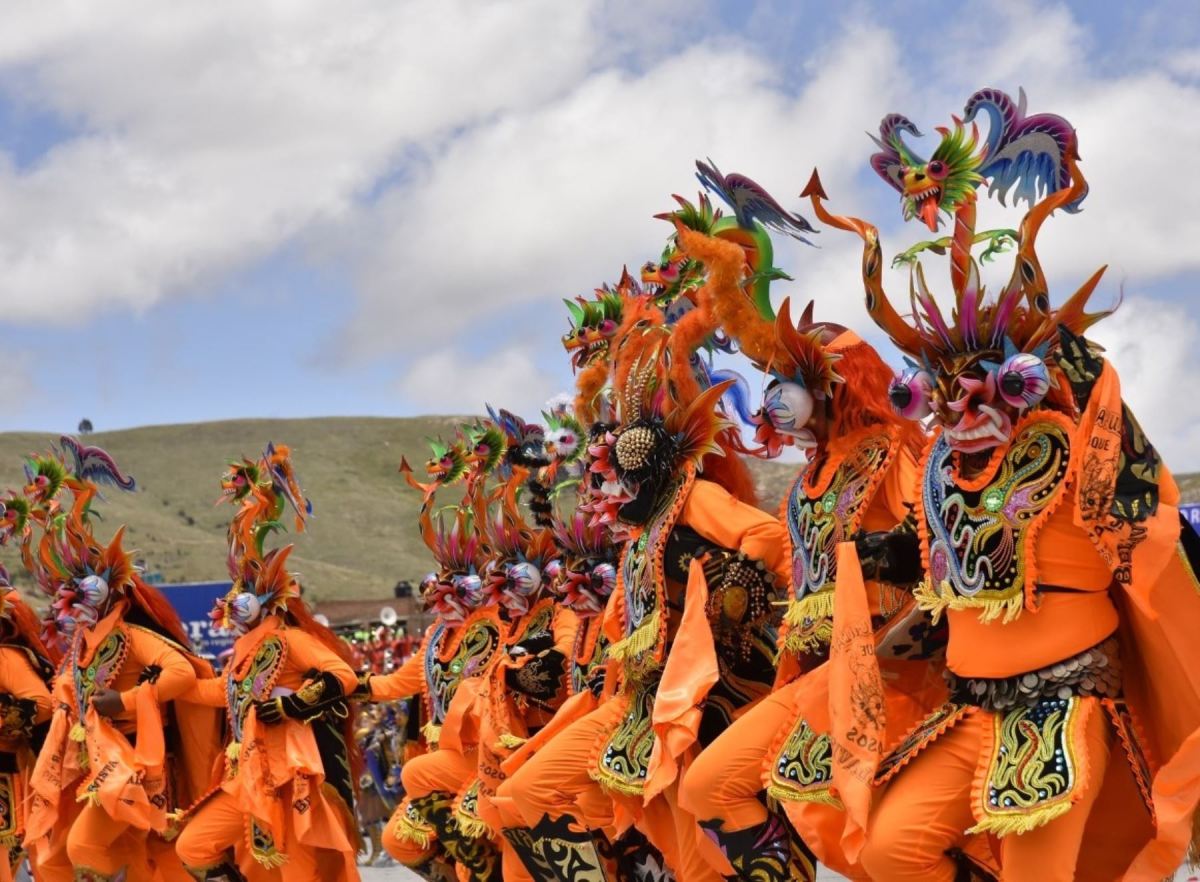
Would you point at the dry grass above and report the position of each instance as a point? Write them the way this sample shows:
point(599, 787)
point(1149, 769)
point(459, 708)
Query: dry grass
point(363, 537)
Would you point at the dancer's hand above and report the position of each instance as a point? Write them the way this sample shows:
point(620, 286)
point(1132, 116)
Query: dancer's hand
point(270, 711)
point(107, 703)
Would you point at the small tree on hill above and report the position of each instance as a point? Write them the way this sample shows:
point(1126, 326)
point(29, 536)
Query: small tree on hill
point(85, 426)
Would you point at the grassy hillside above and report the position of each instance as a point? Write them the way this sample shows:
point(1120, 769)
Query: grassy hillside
point(363, 537)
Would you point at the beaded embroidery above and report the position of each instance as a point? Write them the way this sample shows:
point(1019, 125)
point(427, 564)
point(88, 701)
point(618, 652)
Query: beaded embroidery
point(980, 535)
point(820, 514)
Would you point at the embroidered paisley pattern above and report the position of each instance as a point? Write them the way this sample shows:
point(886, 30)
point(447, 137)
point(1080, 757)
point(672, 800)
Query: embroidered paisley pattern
point(8, 813)
point(1033, 766)
point(643, 584)
point(243, 688)
point(105, 663)
point(465, 659)
point(624, 760)
point(803, 770)
point(820, 515)
point(980, 540)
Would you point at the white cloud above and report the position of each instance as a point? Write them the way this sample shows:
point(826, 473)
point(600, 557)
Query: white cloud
point(1153, 346)
point(213, 135)
point(453, 382)
point(550, 201)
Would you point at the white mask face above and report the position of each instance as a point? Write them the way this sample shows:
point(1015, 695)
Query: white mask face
point(789, 407)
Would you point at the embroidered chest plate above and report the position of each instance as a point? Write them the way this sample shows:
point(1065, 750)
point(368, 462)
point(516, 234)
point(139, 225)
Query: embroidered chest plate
point(447, 666)
point(981, 535)
point(96, 674)
point(255, 682)
point(820, 515)
point(644, 583)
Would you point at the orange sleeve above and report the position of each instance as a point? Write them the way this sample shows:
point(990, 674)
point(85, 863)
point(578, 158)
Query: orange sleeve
point(209, 691)
point(20, 680)
point(309, 654)
point(404, 682)
point(146, 649)
point(721, 518)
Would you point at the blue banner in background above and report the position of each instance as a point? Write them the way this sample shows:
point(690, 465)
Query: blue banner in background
point(1191, 514)
point(194, 601)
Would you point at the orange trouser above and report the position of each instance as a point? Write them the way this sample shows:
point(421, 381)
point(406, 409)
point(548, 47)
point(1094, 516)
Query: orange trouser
point(219, 825)
point(925, 810)
point(91, 840)
point(442, 770)
point(725, 782)
point(556, 781)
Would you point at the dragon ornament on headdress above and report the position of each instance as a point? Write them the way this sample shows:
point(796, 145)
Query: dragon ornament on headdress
point(977, 368)
point(84, 576)
point(261, 490)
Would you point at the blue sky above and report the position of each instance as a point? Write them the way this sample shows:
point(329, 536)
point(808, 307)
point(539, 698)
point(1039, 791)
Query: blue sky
point(273, 212)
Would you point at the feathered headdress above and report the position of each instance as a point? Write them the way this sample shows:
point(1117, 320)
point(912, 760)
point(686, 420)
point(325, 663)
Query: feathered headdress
point(262, 490)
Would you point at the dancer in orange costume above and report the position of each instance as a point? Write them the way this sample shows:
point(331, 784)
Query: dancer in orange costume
point(282, 804)
point(526, 683)
point(682, 535)
point(1050, 537)
point(423, 833)
point(827, 396)
point(104, 792)
point(26, 669)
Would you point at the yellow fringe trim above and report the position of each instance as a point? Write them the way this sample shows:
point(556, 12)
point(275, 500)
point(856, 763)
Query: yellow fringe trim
point(936, 600)
point(431, 732)
point(644, 637)
point(406, 830)
point(272, 859)
point(233, 751)
point(1025, 821)
point(78, 733)
point(509, 741)
point(821, 796)
point(472, 828)
point(809, 623)
point(91, 797)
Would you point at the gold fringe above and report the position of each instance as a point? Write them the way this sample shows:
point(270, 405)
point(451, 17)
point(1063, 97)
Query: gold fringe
point(509, 741)
point(406, 830)
point(78, 733)
point(431, 733)
point(90, 796)
point(813, 607)
point(272, 859)
point(1022, 822)
point(809, 623)
point(937, 600)
point(472, 828)
point(642, 639)
point(233, 751)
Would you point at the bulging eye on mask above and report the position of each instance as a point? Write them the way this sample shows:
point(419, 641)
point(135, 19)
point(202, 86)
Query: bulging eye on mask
point(789, 407)
point(977, 404)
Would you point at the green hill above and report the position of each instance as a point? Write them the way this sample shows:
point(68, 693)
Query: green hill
point(363, 537)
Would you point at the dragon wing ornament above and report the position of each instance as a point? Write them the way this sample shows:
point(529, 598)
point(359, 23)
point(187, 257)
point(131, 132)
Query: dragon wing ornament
point(751, 202)
point(1024, 154)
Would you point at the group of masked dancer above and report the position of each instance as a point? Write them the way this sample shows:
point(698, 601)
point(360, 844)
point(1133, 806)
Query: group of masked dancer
point(964, 647)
